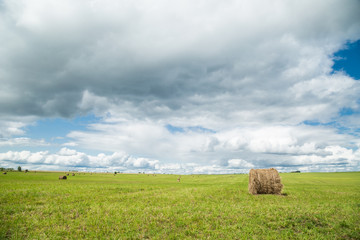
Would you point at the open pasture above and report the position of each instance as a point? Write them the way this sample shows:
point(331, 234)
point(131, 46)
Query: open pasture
point(141, 206)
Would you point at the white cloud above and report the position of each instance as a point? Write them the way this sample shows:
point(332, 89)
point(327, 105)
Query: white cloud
point(337, 158)
point(244, 147)
point(70, 144)
point(67, 152)
point(10, 128)
point(22, 141)
point(72, 158)
point(324, 87)
point(239, 163)
point(142, 163)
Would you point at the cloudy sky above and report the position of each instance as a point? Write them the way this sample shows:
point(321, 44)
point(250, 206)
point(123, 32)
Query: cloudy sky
point(180, 86)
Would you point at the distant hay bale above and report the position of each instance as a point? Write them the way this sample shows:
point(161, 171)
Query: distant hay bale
point(4, 173)
point(264, 181)
point(73, 174)
point(62, 178)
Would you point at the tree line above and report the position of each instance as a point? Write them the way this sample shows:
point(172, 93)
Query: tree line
point(19, 169)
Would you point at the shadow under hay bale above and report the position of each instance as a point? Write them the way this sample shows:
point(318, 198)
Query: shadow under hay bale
point(264, 181)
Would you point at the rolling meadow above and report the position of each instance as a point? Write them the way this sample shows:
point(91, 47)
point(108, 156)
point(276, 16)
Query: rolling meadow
point(141, 206)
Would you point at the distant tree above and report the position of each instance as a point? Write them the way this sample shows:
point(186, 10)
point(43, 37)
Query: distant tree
point(19, 168)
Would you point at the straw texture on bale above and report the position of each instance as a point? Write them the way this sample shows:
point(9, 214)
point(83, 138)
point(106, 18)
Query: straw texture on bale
point(264, 181)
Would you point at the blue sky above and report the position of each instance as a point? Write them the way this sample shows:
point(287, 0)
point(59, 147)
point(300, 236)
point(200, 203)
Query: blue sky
point(347, 60)
point(180, 88)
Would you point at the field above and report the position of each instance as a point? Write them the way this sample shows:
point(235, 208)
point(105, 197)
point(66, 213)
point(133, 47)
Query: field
point(141, 206)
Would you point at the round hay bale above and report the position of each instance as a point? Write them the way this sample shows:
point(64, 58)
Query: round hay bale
point(4, 173)
point(264, 181)
point(62, 178)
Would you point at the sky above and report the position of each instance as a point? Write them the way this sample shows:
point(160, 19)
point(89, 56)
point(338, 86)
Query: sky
point(185, 87)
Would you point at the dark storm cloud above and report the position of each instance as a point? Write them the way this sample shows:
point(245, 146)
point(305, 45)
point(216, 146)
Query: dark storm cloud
point(52, 52)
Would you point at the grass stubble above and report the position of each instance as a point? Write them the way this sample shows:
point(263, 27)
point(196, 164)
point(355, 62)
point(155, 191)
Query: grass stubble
point(142, 206)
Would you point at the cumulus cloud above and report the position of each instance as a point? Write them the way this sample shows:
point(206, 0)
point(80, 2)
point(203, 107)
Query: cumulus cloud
point(240, 148)
point(71, 158)
point(346, 159)
point(239, 163)
point(237, 79)
point(14, 126)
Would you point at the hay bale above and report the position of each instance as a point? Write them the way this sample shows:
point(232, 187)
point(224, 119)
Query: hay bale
point(264, 181)
point(62, 178)
point(4, 173)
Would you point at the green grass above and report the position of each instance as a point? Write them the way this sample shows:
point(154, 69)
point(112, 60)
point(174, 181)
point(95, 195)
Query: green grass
point(138, 206)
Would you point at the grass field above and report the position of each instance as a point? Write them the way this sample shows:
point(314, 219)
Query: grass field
point(141, 206)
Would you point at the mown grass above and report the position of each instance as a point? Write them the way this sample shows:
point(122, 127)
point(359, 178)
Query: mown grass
point(141, 206)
